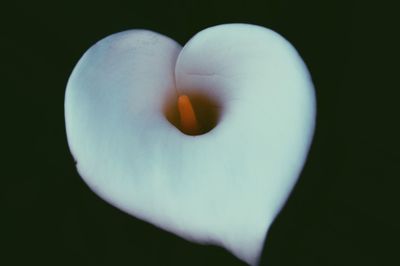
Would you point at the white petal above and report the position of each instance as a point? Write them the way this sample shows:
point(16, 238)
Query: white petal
point(264, 134)
point(113, 110)
point(224, 187)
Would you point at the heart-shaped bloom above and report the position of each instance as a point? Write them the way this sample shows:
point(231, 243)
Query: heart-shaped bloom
point(215, 171)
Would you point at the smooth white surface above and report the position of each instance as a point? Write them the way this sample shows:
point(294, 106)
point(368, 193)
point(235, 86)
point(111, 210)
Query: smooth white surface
point(224, 187)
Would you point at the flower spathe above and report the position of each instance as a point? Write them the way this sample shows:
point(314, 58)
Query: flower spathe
point(223, 187)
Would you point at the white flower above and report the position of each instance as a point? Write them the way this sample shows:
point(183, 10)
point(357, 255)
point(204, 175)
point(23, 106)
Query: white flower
point(253, 99)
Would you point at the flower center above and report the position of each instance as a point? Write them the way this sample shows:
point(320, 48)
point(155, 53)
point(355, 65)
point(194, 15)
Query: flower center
point(193, 114)
point(187, 117)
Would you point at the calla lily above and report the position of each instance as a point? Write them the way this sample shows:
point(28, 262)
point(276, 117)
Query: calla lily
point(205, 141)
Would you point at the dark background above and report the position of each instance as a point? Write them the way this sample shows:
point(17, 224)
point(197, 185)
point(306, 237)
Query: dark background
point(345, 207)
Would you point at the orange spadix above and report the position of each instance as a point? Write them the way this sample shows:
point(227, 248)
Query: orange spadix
point(188, 120)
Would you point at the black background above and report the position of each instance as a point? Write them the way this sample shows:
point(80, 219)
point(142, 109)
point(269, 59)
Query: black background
point(345, 207)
